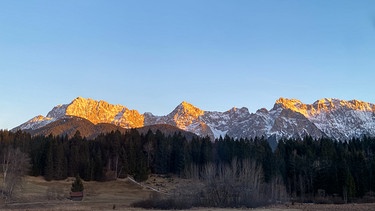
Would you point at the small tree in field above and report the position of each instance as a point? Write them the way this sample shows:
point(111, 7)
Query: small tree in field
point(77, 185)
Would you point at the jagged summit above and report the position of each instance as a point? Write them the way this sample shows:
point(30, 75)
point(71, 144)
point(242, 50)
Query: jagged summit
point(189, 109)
point(103, 112)
point(94, 111)
point(329, 117)
point(292, 104)
point(288, 102)
point(360, 105)
point(328, 104)
point(236, 110)
point(323, 106)
point(333, 103)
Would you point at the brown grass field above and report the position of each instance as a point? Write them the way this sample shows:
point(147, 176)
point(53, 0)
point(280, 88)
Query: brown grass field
point(38, 194)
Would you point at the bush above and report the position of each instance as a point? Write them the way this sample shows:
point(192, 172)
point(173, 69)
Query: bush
point(77, 185)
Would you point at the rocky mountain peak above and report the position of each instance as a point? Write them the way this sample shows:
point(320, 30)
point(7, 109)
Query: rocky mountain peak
point(239, 110)
point(288, 102)
point(94, 111)
point(327, 104)
point(330, 104)
point(99, 112)
point(292, 104)
point(361, 106)
point(262, 110)
point(185, 114)
point(188, 109)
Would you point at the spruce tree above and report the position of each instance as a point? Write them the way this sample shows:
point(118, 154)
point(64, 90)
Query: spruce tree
point(77, 185)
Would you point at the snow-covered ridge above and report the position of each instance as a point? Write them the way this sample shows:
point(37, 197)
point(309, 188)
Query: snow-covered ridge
point(334, 118)
point(35, 123)
point(324, 105)
point(338, 119)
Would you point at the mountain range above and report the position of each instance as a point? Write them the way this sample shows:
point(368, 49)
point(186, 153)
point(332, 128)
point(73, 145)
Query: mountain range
point(289, 118)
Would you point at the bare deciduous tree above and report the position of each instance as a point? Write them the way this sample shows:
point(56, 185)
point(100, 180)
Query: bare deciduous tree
point(234, 184)
point(15, 165)
point(239, 183)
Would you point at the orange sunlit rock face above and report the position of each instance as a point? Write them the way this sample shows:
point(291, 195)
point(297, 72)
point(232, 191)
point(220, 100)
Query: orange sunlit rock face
point(360, 105)
point(191, 110)
point(186, 114)
point(103, 112)
point(323, 105)
point(293, 104)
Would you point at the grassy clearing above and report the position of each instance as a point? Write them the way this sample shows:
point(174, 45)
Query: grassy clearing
point(38, 194)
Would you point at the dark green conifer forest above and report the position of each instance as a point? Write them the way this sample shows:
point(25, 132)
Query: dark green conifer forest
point(308, 167)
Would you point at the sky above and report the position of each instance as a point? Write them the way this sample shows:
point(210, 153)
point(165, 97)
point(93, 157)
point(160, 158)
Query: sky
point(152, 55)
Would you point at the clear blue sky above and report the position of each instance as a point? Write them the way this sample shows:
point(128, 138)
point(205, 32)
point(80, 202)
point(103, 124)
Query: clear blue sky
point(152, 55)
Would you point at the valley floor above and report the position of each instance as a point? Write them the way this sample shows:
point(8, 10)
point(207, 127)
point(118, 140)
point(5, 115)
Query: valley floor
point(38, 194)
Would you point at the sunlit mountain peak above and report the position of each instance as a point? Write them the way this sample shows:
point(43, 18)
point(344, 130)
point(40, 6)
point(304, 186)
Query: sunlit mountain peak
point(361, 106)
point(293, 104)
point(188, 108)
point(185, 114)
point(99, 112)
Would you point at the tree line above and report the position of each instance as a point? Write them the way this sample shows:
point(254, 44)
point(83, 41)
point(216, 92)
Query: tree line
point(307, 167)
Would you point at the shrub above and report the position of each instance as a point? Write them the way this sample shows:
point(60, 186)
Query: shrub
point(77, 185)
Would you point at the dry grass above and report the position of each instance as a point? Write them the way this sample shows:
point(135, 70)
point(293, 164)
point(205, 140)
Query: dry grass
point(38, 194)
point(54, 195)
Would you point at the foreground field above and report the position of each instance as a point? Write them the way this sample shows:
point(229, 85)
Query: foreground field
point(38, 194)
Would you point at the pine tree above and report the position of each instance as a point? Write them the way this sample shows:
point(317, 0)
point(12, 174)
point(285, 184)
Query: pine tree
point(48, 169)
point(77, 185)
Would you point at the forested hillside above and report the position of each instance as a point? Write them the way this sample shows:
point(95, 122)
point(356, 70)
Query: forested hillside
point(307, 167)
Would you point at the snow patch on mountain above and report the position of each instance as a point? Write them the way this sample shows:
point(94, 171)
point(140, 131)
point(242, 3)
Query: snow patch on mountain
point(35, 123)
point(57, 112)
point(219, 133)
